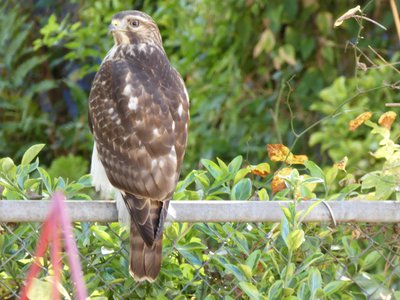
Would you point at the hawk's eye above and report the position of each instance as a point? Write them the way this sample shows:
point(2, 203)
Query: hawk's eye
point(134, 23)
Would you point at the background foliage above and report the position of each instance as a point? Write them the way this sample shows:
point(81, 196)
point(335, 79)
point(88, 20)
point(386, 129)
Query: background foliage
point(238, 59)
point(258, 72)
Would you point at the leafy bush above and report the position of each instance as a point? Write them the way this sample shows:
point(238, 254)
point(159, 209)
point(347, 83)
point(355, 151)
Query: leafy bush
point(237, 59)
point(289, 260)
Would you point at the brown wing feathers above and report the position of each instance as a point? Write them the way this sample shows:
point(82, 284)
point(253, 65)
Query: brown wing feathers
point(138, 110)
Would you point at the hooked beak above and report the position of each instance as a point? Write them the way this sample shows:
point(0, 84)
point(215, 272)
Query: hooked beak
point(112, 28)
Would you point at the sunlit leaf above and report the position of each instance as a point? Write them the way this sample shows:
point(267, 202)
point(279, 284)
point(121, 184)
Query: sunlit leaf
point(279, 152)
point(278, 183)
point(295, 239)
point(40, 290)
point(354, 124)
point(31, 153)
point(263, 194)
point(262, 169)
point(241, 174)
point(386, 120)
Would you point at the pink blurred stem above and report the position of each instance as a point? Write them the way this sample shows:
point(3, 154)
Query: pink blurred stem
point(40, 251)
point(70, 245)
point(51, 231)
point(56, 261)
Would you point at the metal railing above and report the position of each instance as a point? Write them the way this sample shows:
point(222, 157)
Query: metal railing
point(220, 249)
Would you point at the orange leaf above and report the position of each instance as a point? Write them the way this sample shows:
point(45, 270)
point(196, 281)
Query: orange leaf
point(279, 152)
point(278, 183)
point(354, 124)
point(262, 169)
point(387, 119)
point(297, 159)
point(341, 165)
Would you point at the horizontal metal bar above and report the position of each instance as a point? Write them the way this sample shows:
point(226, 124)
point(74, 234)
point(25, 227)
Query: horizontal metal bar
point(211, 211)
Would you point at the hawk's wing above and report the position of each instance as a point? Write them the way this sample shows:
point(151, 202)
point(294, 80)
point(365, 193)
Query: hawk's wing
point(139, 119)
point(139, 116)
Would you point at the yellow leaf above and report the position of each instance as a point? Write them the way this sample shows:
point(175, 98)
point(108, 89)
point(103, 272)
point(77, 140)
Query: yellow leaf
point(279, 152)
point(354, 124)
point(387, 119)
point(278, 183)
point(297, 159)
point(40, 290)
point(262, 169)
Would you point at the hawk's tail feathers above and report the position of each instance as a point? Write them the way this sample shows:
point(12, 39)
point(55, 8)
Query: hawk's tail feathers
point(145, 261)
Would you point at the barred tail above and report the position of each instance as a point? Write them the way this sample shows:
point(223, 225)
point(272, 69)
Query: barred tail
point(145, 261)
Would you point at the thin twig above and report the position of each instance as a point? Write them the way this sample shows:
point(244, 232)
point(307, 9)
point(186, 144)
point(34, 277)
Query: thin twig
point(382, 59)
point(370, 20)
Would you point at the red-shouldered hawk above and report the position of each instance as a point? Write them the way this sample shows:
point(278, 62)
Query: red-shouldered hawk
point(139, 114)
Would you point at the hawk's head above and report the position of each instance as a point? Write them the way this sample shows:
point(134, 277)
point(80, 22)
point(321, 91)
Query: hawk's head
point(132, 26)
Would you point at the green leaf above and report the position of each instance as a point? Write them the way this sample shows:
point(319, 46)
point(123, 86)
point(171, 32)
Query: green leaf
point(253, 259)
point(222, 165)
point(46, 179)
point(192, 257)
point(263, 194)
point(237, 272)
point(331, 175)
point(85, 180)
point(315, 171)
point(250, 290)
point(241, 190)
point(303, 292)
point(351, 247)
point(8, 167)
point(314, 281)
point(288, 271)
point(241, 174)
point(31, 153)
point(333, 287)
point(370, 260)
point(246, 270)
point(295, 239)
point(285, 230)
point(309, 210)
point(287, 212)
point(103, 236)
point(235, 164)
point(202, 180)
point(275, 291)
point(189, 179)
point(309, 260)
point(211, 167)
